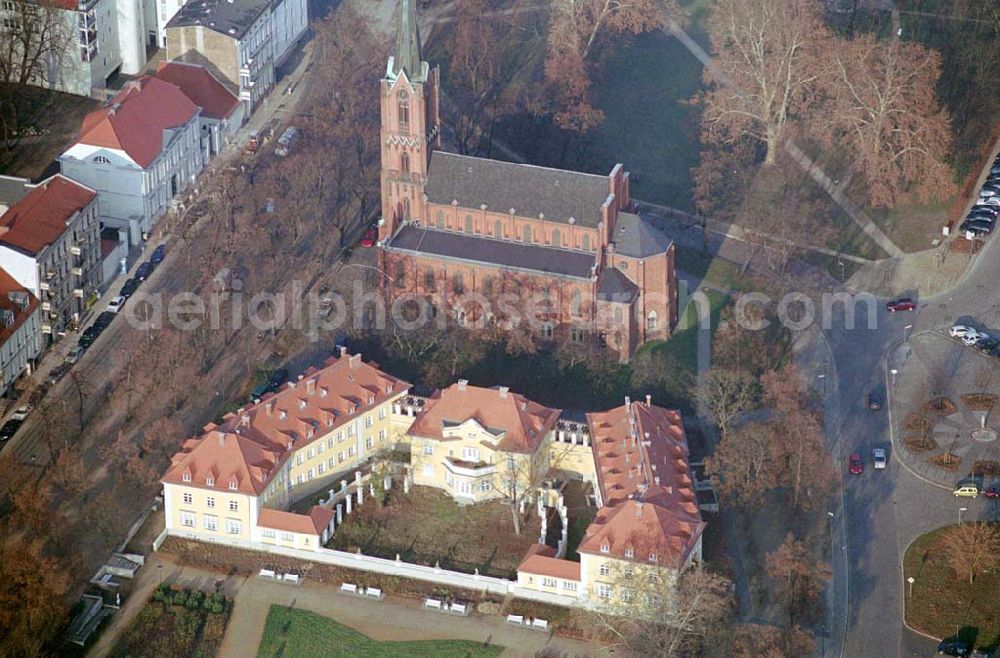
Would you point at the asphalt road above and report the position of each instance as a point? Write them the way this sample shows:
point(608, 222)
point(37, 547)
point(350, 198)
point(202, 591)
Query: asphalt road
point(883, 511)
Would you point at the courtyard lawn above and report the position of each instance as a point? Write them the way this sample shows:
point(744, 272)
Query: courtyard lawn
point(307, 635)
point(682, 347)
point(426, 527)
point(943, 602)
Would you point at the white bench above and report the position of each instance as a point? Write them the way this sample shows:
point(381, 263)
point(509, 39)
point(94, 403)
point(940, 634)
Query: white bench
point(515, 619)
point(292, 578)
point(266, 573)
point(458, 607)
point(349, 587)
point(540, 623)
point(373, 592)
point(432, 603)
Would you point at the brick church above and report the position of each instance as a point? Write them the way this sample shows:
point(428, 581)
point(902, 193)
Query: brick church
point(456, 228)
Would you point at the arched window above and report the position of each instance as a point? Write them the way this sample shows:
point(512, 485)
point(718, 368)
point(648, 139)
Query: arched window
point(429, 280)
point(498, 229)
point(586, 241)
point(575, 303)
point(406, 210)
point(457, 284)
point(468, 223)
point(404, 110)
point(100, 159)
point(547, 330)
point(651, 321)
point(488, 286)
point(404, 162)
point(556, 238)
point(619, 316)
point(440, 219)
point(527, 233)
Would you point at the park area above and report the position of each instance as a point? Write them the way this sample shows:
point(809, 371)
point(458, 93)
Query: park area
point(176, 623)
point(303, 634)
point(943, 603)
point(427, 527)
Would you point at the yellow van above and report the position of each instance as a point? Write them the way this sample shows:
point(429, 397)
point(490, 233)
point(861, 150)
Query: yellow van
point(967, 490)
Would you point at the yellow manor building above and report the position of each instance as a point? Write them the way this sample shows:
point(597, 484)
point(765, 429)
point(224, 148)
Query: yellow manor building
point(234, 483)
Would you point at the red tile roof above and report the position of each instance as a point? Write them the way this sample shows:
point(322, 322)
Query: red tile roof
point(40, 217)
point(313, 523)
point(134, 120)
point(520, 423)
point(199, 85)
point(541, 560)
point(249, 445)
point(646, 486)
point(9, 285)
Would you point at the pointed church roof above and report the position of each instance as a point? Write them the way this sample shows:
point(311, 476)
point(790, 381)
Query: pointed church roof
point(407, 55)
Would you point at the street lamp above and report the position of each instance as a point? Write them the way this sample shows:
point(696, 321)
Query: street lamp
point(159, 570)
point(911, 580)
point(960, 510)
point(830, 524)
point(893, 372)
point(906, 329)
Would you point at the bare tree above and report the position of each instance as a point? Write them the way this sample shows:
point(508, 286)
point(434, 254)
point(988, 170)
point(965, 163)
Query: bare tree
point(887, 112)
point(797, 576)
point(724, 394)
point(740, 466)
point(972, 548)
point(767, 61)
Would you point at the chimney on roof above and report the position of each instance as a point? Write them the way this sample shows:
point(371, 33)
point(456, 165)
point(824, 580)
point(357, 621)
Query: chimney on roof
point(649, 400)
point(355, 361)
point(462, 384)
point(503, 392)
point(343, 351)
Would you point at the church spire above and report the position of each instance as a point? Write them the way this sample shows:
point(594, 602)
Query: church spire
point(407, 56)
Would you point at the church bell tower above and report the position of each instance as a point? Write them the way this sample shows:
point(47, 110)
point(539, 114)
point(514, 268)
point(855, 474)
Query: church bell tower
point(410, 128)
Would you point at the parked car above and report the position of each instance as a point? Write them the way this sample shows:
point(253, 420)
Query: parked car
point(978, 225)
point(103, 320)
point(879, 458)
point(902, 304)
point(953, 648)
point(959, 330)
point(967, 490)
point(116, 304)
point(57, 373)
point(158, 255)
point(21, 413)
point(9, 429)
point(74, 354)
point(855, 465)
point(874, 401)
point(988, 201)
point(370, 237)
point(88, 336)
point(129, 288)
point(993, 493)
point(974, 337)
point(143, 271)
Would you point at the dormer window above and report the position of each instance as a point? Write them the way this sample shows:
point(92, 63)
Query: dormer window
point(100, 159)
point(282, 414)
point(232, 485)
point(210, 481)
point(371, 399)
point(302, 404)
point(186, 477)
point(652, 557)
point(605, 548)
point(629, 552)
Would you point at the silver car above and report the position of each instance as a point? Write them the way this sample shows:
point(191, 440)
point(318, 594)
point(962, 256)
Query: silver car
point(879, 457)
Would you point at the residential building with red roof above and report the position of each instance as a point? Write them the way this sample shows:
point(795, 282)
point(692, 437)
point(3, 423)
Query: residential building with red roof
point(236, 481)
point(50, 244)
point(20, 330)
point(90, 56)
point(139, 151)
point(241, 42)
point(480, 443)
point(222, 114)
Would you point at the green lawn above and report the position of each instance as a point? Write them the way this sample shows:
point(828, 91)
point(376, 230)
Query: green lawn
point(943, 602)
point(682, 346)
point(300, 634)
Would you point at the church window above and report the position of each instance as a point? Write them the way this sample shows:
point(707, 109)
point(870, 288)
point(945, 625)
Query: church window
point(429, 280)
point(404, 162)
point(468, 223)
point(457, 284)
point(586, 242)
point(619, 316)
point(440, 219)
point(547, 330)
point(400, 278)
point(575, 302)
point(527, 233)
point(556, 238)
point(651, 321)
point(406, 210)
point(404, 110)
point(488, 285)
point(498, 229)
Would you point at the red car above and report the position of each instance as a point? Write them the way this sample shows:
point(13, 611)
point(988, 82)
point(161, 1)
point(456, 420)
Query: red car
point(993, 493)
point(904, 304)
point(370, 237)
point(855, 465)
